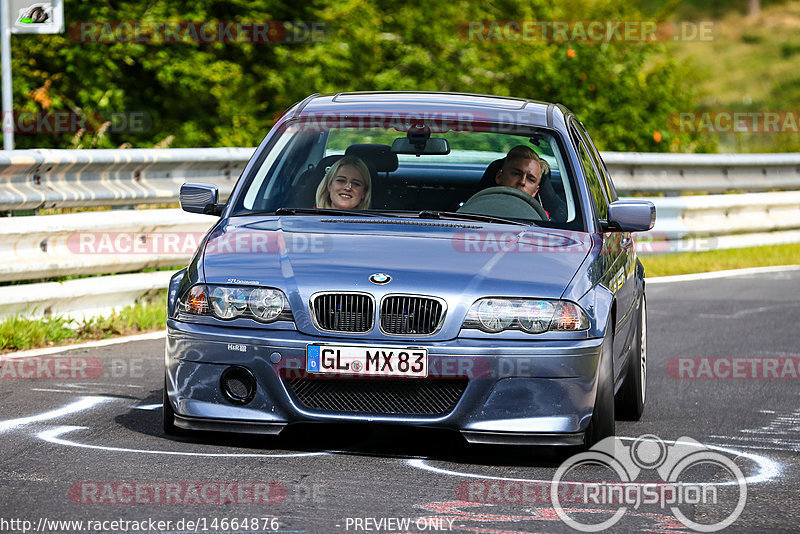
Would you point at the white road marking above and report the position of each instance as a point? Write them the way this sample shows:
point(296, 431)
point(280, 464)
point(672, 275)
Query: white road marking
point(721, 274)
point(84, 403)
point(763, 446)
point(781, 431)
point(54, 436)
point(749, 311)
point(763, 443)
point(72, 391)
point(768, 469)
point(84, 384)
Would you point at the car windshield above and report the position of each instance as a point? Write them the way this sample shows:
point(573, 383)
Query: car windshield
point(423, 170)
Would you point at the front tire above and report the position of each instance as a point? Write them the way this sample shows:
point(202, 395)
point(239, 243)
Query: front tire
point(632, 395)
point(602, 424)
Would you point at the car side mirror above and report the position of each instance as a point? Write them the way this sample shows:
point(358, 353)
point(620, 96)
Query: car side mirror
point(200, 198)
point(631, 216)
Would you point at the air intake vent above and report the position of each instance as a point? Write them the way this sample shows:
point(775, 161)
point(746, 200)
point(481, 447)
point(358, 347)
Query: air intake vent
point(411, 315)
point(421, 396)
point(344, 312)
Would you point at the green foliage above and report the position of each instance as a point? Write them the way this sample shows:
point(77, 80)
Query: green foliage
point(789, 49)
point(719, 260)
point(228, 94)
point(20, 333)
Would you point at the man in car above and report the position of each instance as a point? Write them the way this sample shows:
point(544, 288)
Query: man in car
point(522, 169)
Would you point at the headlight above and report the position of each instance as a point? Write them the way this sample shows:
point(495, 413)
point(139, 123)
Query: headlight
point(266, 304)
point(263, 304)
point(494, 315)
point(228, 302)
point(529, 315)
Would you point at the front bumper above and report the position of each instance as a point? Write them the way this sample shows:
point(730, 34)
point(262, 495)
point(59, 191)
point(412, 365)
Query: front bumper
point(517, 392)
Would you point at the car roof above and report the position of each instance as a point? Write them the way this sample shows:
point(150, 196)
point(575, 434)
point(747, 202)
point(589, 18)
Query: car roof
point(480, 107)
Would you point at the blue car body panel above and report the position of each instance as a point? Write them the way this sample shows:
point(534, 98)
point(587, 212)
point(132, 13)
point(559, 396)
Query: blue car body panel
point(517, 387)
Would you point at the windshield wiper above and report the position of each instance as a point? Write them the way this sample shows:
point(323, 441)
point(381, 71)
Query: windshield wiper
point(430, 214)
point(328, 211)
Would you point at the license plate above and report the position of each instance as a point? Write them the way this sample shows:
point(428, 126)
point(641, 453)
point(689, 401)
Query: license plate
point(367, 361)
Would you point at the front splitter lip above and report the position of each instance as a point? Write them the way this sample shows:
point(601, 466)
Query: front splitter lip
point(228, 425)
point(524, 438)
point(473, 437)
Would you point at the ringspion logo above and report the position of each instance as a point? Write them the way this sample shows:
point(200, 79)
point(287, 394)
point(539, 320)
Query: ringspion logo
point(611, 483)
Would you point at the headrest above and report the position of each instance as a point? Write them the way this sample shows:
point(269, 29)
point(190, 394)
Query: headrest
point(488, 178)
point(325, 163)
point(380, 156)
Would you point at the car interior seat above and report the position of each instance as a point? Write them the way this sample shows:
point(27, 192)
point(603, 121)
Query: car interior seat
point(304, 191)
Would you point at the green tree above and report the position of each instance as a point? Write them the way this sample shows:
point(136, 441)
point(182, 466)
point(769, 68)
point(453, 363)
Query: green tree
point(228, 94)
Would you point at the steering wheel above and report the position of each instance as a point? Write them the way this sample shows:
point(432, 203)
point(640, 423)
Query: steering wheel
point(494, 195)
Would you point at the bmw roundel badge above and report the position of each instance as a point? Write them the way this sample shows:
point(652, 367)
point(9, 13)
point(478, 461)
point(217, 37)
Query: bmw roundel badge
point(380, 278)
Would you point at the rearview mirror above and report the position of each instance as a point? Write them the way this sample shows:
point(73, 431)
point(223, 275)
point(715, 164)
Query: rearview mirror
point(631, 216)
point(433, 146)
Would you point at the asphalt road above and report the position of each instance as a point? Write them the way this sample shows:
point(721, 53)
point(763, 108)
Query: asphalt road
point(723, 358)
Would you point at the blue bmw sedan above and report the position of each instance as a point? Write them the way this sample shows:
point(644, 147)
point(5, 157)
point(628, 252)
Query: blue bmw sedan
point(425, 259)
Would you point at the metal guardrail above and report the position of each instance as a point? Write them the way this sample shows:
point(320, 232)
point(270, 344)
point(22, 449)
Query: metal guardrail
point(98, 242)
point(83, 297)
point(674, 174)
point(34, 179)
point(49, 246)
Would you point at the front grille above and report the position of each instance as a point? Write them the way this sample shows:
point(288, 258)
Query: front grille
point(344, 312)
point(418, 396)
point(403, 314)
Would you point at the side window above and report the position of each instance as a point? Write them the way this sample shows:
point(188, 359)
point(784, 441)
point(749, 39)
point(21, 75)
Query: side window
point(605, 179)
point(592, 178)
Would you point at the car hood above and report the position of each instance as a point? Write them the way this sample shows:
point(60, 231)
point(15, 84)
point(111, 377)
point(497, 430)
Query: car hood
point(454, 260)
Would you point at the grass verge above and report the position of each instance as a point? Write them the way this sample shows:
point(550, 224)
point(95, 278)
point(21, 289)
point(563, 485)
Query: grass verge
point(720, 260)
point(20, 333)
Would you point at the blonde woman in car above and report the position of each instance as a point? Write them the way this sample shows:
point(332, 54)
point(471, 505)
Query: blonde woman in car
point(346, 185)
